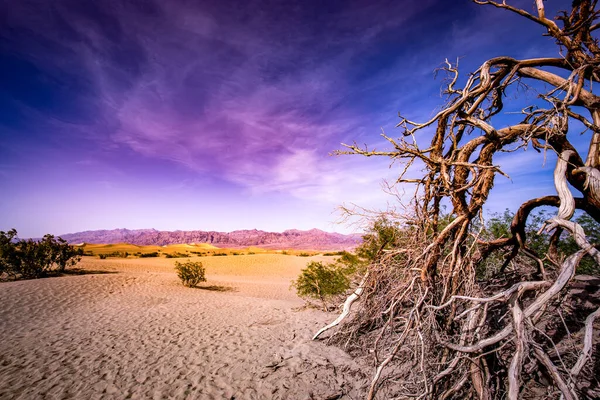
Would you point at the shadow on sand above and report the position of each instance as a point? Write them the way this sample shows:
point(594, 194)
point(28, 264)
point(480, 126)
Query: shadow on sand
point(80, 271)
point(217, 288)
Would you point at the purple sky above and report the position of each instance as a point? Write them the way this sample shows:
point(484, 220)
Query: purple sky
point(220, 115)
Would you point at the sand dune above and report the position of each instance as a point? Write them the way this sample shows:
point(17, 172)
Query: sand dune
point(139, 334)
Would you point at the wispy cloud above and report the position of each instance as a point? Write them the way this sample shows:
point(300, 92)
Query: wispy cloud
point(254, 95)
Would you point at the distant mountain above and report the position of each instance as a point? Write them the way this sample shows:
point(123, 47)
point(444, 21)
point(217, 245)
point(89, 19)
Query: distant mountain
point(313, 239)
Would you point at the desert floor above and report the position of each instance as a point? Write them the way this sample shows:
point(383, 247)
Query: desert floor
point(138, 333)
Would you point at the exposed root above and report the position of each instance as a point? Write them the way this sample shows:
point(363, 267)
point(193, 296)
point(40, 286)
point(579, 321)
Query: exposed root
point(587, 343)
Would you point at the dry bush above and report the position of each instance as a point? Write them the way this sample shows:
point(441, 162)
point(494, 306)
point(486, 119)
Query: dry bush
point(191, 273)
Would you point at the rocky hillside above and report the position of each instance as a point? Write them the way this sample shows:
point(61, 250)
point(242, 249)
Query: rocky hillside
point(313, 239)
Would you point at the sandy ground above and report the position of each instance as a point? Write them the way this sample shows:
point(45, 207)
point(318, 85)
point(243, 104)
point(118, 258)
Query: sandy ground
point(138, 333)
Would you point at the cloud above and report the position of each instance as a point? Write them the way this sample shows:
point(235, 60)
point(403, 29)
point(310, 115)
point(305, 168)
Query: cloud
point(256, 95)
point(251, 96)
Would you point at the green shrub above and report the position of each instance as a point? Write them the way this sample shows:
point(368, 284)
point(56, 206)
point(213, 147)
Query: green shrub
point(303, 255)
point(120, 254)
point(147, 255)
point(35, 259)
point(176, 255)
point(319, 281)
point(191, 272)
point(8, 253)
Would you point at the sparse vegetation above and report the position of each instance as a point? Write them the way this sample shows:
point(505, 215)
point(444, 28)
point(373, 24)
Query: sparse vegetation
point(322, 281)
point(148, 255)
point(176, 255)
point(336, 253)
point(28, 258)
point(327, 281)
point(191, 273)
point(115, 254)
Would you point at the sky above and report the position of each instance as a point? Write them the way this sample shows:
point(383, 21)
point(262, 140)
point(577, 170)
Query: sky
point(222, 115)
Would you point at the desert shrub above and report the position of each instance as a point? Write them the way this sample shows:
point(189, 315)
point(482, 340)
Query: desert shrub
point(351, 263)
point(34, 258)
point(191, 272)
point(147, 255)
point(322, 281)
point(119, 254)
point(219, 254)
point(60, 253)
point(176, 255)
point(8, 257)
point(335, 253)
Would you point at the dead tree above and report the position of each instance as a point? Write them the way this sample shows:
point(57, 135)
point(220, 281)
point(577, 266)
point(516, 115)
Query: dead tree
point(437, 331)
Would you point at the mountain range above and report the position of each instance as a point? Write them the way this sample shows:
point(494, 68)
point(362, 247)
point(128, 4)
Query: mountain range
point(313, 239)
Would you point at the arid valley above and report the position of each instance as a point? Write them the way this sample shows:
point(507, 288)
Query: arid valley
point(129, 329)
point(300, 199)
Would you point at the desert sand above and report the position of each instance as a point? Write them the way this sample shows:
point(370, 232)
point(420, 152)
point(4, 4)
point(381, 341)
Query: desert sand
point(138, 333)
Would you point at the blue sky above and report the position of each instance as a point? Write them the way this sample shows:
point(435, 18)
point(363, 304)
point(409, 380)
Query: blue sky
point(219, 115)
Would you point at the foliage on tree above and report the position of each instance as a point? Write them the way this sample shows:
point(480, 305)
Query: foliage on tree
point(28, 258)
point(538, 242)
point(453, 311)
point(383, 233)
point(191, 273)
